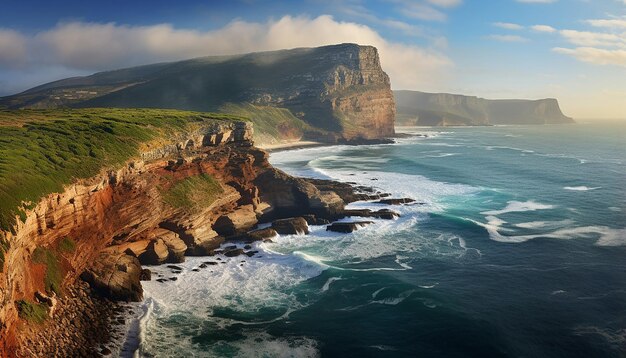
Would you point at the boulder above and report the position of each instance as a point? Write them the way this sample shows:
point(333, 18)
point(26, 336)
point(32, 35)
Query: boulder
point(115, 276)
point(233, 252)
point(176, 247)
point(260, 234)
point(156, 253)
point(367, 213)
point(291, 226)
point(202, 241)
point(385, 214)
point(347, 227)
point(145, 275)
point(395, 201)
point(240, 220)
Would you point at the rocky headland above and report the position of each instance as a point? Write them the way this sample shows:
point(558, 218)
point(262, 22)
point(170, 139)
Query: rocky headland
point(209, 187)
point(444, 109)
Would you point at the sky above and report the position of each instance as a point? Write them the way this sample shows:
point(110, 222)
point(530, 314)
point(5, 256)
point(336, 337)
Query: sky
point(572, 50)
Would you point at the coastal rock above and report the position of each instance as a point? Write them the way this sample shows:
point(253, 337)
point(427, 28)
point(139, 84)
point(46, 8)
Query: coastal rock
point(156, 253)
point(115, 276)
point(240, 220)
point(233, 252)
point(260, 234)
point(347, 227)
point(175, 246)
point(146, 275)
point(348, 192)
point(367, 213)
point(399, 201)
point(202, 241)
point(289, 196)
point(291, 226)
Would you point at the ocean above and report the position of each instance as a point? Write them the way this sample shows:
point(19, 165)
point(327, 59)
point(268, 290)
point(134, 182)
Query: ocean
point(517, 248)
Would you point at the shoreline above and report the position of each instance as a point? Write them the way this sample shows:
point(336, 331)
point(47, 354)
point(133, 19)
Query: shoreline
point(301, 144)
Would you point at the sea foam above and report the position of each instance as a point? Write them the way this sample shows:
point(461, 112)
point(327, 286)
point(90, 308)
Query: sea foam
point(579, 188)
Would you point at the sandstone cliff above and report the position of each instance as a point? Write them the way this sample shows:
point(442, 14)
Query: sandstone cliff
point(339, 92)
point(443, 109)
point(170, 201)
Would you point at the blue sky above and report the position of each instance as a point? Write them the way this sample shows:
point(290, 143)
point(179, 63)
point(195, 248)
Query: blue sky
point(574, 50)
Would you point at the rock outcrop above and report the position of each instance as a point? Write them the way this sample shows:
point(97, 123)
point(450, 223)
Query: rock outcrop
point(291, 226)
point(443, 109)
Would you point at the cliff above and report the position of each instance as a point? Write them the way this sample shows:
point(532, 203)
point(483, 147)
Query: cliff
point(195, 182)
point(332, 93)
point(442, 109)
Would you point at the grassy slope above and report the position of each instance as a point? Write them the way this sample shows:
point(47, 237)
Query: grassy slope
point(194, 193)
point(271, 124)
point(41, 151)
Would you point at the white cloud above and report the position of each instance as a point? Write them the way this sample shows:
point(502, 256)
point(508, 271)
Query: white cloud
point(599, 48)
point(608, 23)
point(593, 39)
point(508, 38)
point(543, 28)
point(508, 26)
point(595, 55)
point(96, 46)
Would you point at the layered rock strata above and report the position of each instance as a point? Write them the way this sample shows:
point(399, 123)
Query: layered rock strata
point(120, 220)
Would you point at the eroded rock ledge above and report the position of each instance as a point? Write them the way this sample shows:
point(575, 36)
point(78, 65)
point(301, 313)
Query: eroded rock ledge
point(102, 229)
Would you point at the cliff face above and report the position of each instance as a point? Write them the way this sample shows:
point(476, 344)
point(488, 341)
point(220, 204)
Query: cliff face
point(340, 92)
point(441, 109)
point(121, 217)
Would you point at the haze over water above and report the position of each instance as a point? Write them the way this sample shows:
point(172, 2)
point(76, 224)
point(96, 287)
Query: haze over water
point(517, 249)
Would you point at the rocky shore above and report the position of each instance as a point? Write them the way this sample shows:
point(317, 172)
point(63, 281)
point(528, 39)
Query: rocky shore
point(82, 326)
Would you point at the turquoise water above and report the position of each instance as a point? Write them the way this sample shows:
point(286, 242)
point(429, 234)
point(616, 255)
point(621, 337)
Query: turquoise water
point(519, 250)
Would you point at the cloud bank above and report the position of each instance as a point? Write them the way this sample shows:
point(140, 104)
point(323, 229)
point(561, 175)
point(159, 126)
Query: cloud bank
point(84, 46)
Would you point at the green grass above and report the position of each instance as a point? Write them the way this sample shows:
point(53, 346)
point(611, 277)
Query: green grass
point(32, 312)
point(67, 245)
point(270, 123)
point(193, 194)
point(43, 150)
point(54, 273)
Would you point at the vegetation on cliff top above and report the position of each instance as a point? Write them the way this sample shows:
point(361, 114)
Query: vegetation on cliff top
point(43, 150)
point(193, 193)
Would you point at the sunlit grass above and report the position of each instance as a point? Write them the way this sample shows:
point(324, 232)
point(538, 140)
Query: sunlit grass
point(43, 150)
